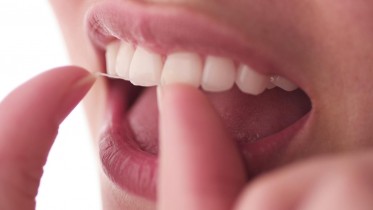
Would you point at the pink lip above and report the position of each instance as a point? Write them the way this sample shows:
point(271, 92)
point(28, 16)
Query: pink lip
point(164, 30)
point(264, 151)
point(123, 161)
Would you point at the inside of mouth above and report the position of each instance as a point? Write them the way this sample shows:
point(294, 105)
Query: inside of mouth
point(248, 118)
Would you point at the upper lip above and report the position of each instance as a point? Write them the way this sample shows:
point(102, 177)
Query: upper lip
point(177, 29)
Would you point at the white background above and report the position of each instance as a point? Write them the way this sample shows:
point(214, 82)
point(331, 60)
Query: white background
point(30, 42)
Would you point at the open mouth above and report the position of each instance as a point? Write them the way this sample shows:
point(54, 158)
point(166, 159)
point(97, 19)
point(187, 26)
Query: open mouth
point(146, 47)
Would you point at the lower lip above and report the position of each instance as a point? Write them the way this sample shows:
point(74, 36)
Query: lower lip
point(123, 161)
point(265, 154)
point(135, 170)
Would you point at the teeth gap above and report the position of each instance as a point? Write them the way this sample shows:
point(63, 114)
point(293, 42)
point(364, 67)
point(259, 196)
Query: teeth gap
point(212, 73)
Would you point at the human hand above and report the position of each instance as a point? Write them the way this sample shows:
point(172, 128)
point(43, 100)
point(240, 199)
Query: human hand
point(29, 121)
point(200, 167)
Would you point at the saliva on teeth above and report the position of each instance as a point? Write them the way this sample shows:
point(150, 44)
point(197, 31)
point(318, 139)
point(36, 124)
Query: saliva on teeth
point(215, 74)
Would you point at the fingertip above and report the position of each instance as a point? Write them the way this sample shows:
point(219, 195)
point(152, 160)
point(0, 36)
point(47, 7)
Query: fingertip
point(200, 166)
point(82, 81)
point(37, 107)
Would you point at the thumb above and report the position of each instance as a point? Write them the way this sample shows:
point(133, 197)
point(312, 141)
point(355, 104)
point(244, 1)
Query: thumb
point(29, 120)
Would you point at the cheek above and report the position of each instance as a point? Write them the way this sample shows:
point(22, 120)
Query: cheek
point(70, 15)
point(347, 40)
point(64, 8)
point(351, 15)
point(343, 76)
point(70, 18)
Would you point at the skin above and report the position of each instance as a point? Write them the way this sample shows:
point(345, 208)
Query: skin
point(28, 127)
point(324, 44)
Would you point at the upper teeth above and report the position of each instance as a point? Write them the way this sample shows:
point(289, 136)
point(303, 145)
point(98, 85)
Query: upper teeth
point(250, 81)
point(145, 68)
point(182, 68)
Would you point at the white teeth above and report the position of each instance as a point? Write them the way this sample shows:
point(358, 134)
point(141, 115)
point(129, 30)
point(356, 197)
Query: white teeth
point(182, 68)
point(215, 74)
point(145, 68)
point(124, 58)
point(249, 81)
point(218, 74)
point(283, 83)
point(111, 55)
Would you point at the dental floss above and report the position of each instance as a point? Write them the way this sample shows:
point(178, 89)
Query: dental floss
point(100, 74)
point(159, 91)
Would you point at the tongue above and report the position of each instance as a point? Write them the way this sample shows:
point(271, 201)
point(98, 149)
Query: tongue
point(247, 117)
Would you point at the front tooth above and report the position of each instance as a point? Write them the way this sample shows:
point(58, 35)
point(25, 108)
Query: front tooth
point(283, 83)
point(218, 74)
point(124, 58)
point(145, 68)
point(249, 81)
point(183, 68)
point(111, 55)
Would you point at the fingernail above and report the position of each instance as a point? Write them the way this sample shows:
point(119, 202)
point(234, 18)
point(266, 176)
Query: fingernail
point(76, 93)
point(85, 81)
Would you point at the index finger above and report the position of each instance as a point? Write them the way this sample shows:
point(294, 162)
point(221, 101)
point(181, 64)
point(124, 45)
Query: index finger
point(200, 165)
